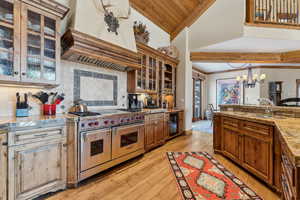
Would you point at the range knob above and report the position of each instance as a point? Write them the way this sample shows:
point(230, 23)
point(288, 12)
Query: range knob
point(82, 125)
point(112, 122)
point(96, 123)
point(91, 124)
point(122, 120)
point(105, 122)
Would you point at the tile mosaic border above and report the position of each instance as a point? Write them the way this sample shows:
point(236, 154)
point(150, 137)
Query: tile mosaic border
point(80, 73)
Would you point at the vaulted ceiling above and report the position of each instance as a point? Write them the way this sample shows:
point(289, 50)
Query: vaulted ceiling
point(172, 15)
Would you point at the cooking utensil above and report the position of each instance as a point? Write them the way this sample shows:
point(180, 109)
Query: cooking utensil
point(79, 106)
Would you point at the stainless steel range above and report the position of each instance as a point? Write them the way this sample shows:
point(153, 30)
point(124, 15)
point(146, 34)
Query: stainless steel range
point(107, 139)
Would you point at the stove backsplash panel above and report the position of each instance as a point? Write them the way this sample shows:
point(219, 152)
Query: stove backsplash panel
point(96, 89)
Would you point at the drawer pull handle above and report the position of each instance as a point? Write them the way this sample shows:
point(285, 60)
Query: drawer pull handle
point(4, 143)
point(41, 135)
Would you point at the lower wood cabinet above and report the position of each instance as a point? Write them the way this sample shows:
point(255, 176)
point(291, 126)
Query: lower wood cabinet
point(290, 174)
point(248, 144)
point(39, 167)
point(155, 134)
point(3, 166)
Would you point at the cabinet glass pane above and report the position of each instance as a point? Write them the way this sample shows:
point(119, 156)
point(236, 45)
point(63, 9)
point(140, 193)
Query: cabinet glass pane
point(33, 67)
point(34, 21)
point(49, 48)
point(6, 12)
point(6, 63)
point(6, 51)
point(49, 72)
point(50, 27)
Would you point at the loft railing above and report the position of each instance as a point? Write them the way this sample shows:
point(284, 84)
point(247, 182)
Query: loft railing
point(277, 12)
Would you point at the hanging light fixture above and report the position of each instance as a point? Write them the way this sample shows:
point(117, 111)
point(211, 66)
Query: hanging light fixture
point(250, 80)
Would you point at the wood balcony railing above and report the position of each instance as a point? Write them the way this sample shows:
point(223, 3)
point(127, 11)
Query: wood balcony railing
point(274, 12)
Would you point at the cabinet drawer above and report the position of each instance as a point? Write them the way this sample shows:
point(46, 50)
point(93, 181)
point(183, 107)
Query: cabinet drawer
point(286, 190)
point(230, 123)
point(153, 117)
point(29, 136)
point(256, 128)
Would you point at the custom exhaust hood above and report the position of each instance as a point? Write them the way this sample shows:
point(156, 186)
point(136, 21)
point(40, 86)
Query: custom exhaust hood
point(88, 40)
point(85, 49)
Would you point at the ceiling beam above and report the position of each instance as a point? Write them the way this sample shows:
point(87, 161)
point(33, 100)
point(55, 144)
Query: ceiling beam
point(198, 11)
point(254, 67)
point(234, 57)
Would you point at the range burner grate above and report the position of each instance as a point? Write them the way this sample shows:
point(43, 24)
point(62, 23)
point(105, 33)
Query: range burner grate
point(85, 114)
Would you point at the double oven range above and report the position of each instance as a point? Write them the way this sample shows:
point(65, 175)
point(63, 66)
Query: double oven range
point(105, 140)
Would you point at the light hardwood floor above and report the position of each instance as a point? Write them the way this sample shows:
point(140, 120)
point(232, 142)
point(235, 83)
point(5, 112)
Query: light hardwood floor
point(150, 178)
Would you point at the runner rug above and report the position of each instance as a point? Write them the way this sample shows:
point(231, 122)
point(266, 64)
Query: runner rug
point(200, 176)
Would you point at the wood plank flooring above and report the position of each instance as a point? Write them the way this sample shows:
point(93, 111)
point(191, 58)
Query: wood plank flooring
point(149, 177)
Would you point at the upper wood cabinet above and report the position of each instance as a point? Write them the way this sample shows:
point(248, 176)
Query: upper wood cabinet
point(157, 73)
point(30, 41)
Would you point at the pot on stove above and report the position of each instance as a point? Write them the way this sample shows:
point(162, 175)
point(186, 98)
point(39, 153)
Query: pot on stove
point(79, 106)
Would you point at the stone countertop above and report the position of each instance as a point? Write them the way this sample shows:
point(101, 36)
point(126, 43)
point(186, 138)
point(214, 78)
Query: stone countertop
point(289, 128)
point(162, 110)
point(33, 121)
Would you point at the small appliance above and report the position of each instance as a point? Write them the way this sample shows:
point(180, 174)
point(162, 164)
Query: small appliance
point(134, 102)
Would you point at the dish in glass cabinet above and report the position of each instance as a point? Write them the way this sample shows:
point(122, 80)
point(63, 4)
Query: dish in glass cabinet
point(49, 31)
point(9, 17)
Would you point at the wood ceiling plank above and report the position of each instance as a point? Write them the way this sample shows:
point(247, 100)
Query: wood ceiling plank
point(155, 18)
point(169, 14)
point(198, 11)
point(166, 9)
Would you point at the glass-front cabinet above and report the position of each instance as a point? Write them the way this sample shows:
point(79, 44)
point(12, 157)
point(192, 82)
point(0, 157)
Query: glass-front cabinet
point(40, 46)
point(9, 37)
point(30, 41)
point(147, 75)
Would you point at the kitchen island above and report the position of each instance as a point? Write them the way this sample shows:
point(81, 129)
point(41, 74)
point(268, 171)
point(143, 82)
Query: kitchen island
point(268, 146)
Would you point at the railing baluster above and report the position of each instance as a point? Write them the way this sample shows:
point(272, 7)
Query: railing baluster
point(285, 12)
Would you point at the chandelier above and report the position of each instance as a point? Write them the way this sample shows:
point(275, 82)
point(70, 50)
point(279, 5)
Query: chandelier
point(250, 80)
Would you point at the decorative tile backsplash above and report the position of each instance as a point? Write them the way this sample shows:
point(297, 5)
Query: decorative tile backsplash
point(95, 89)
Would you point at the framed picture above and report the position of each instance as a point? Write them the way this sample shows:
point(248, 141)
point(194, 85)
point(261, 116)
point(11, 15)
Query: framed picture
point(229, 91)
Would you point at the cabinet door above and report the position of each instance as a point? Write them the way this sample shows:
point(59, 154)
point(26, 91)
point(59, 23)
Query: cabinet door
point(9, 40)
point(36, 169)
point(258, 157)
point(3, 168)
point(149, 136)
point(159, 132)
point(40, 46)
point(231, 144)
point(152, 69)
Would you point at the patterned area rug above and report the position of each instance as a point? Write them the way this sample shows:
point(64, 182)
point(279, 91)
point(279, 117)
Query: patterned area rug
point(200, 176)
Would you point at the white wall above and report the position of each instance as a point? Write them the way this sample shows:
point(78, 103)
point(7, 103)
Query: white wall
point(90, 20)
point(158, 37)
point(271, 33)
point(224, 20)
point(184, 97)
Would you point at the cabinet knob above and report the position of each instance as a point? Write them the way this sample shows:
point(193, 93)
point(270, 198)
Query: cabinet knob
point(23, 74)
point(16, 73)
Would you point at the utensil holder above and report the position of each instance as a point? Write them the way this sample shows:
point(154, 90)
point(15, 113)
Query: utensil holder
point(49, 109)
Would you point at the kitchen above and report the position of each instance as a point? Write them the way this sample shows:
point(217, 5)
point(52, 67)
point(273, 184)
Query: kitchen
point(97, 103)
point(70, 113)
